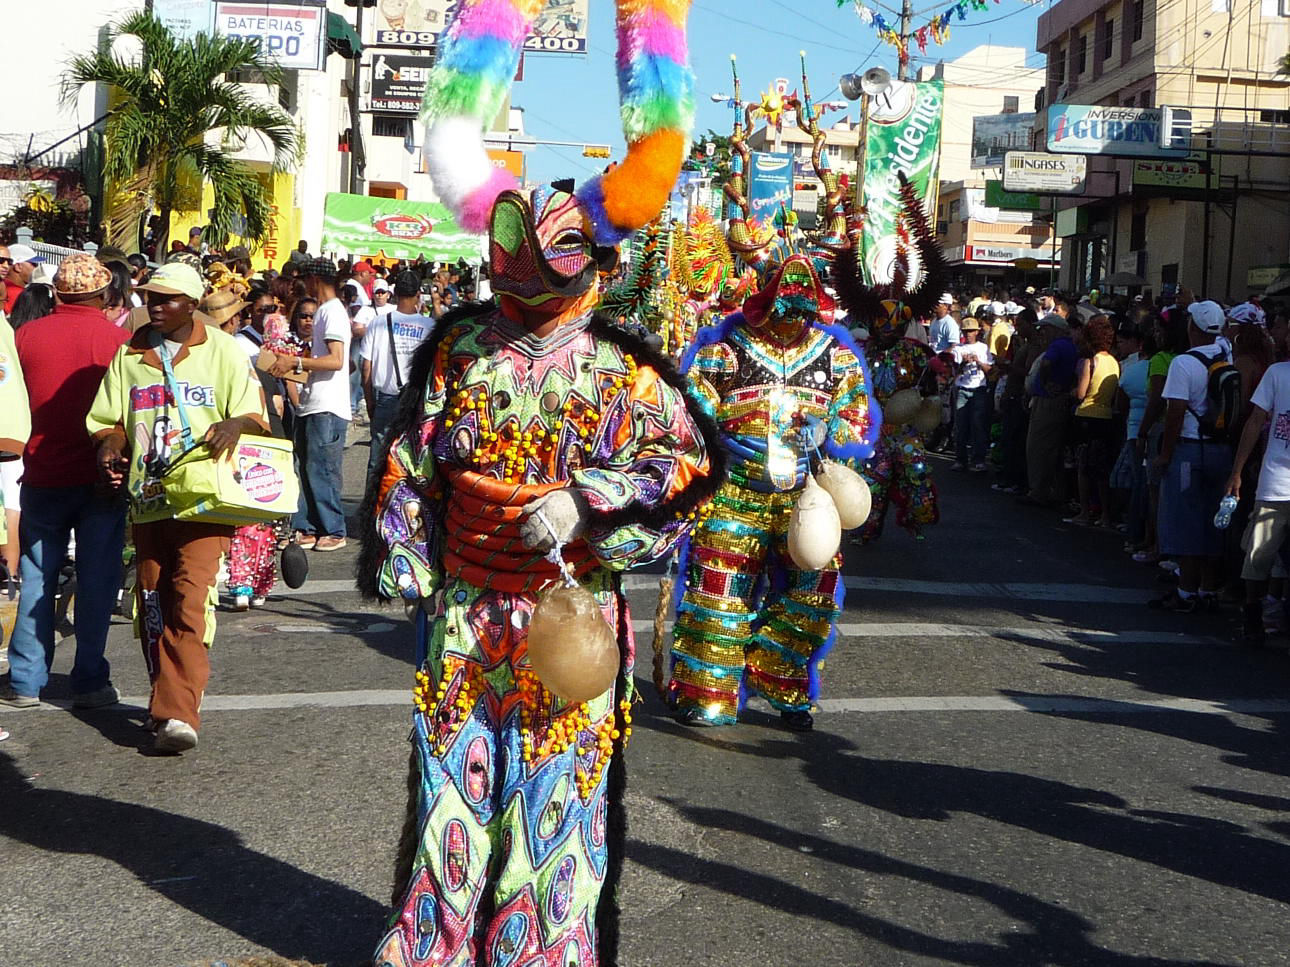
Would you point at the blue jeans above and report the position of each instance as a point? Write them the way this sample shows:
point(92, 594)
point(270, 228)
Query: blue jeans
point(320, 446)
point(49, 515)
point(386, 407)
point(972, 423)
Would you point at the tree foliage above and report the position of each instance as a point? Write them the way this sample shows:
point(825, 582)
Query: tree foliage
point(177, 118)
point(718, 165)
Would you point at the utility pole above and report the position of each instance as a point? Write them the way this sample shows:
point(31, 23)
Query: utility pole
point(906, 15)
point(357, 154)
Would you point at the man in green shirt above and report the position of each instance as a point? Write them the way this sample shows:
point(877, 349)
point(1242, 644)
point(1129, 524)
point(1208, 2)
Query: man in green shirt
point(137, 425)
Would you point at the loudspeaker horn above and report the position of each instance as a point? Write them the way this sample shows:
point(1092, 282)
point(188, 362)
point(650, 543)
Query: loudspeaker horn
point(875, 80)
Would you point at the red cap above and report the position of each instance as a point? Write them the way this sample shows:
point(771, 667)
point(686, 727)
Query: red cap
point(362, 267)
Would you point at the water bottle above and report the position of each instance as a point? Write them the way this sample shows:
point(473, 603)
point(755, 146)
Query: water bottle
point(1226, 508)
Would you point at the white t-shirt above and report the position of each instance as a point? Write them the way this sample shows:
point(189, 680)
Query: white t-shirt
point(410, 330)
point(971, 377)
point(1188, 380)
point(383, 310)
point(944, 333)
point(1273, 395)
point(250, 340)
point(328, 390)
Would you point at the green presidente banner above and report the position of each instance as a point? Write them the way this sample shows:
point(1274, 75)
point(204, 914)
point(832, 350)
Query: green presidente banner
point(904, 137)
point(362, 225)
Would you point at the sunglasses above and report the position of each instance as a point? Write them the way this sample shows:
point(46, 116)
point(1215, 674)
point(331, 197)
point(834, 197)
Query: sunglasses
point(4, 261)
point(305, 315)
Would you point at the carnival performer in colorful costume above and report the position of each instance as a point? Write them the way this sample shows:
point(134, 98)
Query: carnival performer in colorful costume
point(525, 430)
point(898, 471)
point(785, 386)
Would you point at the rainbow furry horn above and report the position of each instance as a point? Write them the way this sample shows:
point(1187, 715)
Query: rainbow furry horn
point(478, 56)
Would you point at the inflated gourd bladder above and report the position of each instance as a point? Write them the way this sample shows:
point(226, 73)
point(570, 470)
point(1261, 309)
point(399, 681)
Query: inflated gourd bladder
point(814, 529)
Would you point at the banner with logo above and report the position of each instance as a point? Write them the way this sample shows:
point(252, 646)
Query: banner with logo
point(361, 225)
point(904, 138)
point(770, 184)
point(291, 33)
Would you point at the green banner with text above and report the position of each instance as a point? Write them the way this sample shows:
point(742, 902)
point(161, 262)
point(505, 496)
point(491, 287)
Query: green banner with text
point(363, 225)
point(904, 137)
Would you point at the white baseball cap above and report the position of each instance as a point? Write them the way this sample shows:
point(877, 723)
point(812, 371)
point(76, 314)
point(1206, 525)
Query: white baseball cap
point(1010, 308)
point(24, 253)
point(380, 285)
point(946, 299)
point(997, 309)
point(1207, 316)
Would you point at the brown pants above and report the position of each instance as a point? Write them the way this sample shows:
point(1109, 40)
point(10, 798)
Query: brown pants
point(177, 562)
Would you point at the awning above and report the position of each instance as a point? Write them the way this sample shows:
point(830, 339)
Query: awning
point(342, 38)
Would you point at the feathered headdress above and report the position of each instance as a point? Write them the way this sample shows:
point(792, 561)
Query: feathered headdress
point(478, 56)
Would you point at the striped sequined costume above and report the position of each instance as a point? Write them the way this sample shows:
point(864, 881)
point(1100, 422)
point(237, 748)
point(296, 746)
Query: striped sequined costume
point(749, 622)
point(515, 821)
point(898, 472)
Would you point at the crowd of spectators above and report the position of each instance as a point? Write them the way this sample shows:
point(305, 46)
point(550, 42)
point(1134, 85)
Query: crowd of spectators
point(104, 344)
point(1137, 417)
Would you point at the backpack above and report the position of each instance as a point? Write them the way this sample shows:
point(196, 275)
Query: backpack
point(1222, 398)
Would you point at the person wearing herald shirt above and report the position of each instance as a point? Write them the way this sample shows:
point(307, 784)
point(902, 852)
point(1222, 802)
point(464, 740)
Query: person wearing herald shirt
point(63, 357)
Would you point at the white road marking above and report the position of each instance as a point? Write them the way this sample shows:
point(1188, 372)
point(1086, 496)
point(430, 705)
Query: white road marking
point(359, 698)
point(1036, 632)
point(1018, 590)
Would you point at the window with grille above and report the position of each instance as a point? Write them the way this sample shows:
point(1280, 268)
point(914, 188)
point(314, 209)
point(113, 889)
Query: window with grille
point(1108, 41)
point(1139, 18)
point(1011, 104)
point(391, 126)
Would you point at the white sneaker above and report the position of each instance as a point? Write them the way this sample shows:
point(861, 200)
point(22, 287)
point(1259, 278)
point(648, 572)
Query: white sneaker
point(241, 602)
point(175, 735)
point(257, 601)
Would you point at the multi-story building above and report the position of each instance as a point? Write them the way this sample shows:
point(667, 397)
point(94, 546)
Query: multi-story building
point(989, 98)
point(1170, 223)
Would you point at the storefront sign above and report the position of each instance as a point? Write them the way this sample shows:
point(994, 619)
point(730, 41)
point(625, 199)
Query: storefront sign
point(184, 18)
point(399, 82)
point(904, 138)
point(561, 28)
point(1187, 175)
point(290, 34)
point(512, 161)
point(1001, 254)
point(1099, 129)
point(1261, 276)
point(1015, 201)
point(1030, 171)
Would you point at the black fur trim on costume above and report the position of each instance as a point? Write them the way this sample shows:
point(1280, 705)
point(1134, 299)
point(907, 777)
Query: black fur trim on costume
point(407, 852)
point(862, 302)
point(699, 491)
point(372, 548)
point(607, 910)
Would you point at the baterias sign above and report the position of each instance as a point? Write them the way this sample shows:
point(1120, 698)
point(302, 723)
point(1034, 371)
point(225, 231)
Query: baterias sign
point(289, 33)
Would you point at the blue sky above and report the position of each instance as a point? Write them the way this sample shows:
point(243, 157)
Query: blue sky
point(576, 99)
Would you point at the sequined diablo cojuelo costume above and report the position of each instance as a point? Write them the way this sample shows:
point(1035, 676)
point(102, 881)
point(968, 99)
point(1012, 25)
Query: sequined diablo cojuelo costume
point(749, 621)
point(898, 472)
point(511, 839)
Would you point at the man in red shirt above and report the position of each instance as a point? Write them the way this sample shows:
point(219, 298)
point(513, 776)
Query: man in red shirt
point(22, 262)
point(63, 358)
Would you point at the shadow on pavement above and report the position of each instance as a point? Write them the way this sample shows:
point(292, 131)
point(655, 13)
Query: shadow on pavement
point(1057, 936)
point(200, 866)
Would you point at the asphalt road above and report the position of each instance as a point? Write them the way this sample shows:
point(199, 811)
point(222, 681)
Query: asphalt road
point(1016, 763)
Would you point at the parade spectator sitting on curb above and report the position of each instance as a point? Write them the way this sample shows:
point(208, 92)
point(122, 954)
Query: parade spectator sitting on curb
point(63, 357)
point(136, 421)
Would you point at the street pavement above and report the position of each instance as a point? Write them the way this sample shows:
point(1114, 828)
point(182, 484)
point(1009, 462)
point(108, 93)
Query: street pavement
point(1015, 763)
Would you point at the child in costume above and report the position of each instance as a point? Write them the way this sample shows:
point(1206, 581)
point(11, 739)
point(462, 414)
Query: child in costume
point(784, 385)
point(527, 428)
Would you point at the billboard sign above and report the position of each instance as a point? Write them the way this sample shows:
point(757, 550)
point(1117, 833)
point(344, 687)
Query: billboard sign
point(770, 183)
point(1163, 177)
point(995, 134)
point(1102, 129)
point(362, 225)
point(1039, 171)
point(399, 82)
point(561, 28)
point(184, 18)
point(290, 33)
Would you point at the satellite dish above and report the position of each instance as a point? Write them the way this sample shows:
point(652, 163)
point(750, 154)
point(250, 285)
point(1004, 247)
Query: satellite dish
point(875, 80)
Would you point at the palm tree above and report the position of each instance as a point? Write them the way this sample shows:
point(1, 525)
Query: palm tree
point(176, 118)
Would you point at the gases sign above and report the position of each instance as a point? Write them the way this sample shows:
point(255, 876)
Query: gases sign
point(1040, 171)
point(290, 34)
point(1098, 129)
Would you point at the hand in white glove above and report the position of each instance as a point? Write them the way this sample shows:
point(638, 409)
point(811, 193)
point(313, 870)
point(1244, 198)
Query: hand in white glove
point(567, 511)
